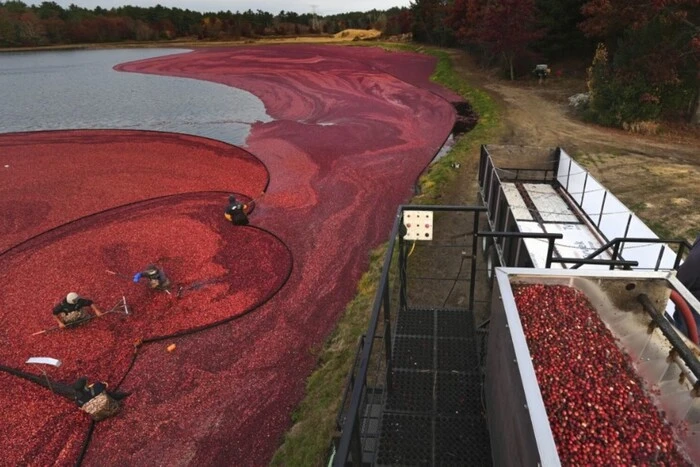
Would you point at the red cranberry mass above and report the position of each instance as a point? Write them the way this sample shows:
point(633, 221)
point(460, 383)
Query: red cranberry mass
point(596, 404)
point(353, 128)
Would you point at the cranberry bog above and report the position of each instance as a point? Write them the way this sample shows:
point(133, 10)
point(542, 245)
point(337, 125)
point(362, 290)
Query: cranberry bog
point(84, 210)
point(578, 370)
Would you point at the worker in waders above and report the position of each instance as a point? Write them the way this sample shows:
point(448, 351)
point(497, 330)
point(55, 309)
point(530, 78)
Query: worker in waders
point(95, 400)
point(237, 212)
point(689, 275)
point(155, 276)
point(84, 392)
point(73, 309)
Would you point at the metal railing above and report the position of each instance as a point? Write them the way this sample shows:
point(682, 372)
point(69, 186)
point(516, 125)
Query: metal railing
point(618, 244)
point(357, 436)
point(501, 217)
point(371, 377)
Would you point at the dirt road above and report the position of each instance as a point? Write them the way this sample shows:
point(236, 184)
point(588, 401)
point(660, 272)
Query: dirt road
point(658, 177)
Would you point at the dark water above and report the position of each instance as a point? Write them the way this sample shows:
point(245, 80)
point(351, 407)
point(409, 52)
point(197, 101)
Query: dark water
point(79, 89)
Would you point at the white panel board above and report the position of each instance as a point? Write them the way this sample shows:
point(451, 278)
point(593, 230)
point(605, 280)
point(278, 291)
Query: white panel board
point(614, 218)
point(44, 361)
point(578, 242)
point(419, 225)
point(647, 254)
point(576, 182)
point(549, 203)
point(564, 163)
point(593, 198)
point(516, 202)
point(610, 215)
point(535, 246)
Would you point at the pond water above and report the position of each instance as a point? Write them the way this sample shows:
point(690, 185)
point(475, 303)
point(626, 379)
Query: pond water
point(79, 90)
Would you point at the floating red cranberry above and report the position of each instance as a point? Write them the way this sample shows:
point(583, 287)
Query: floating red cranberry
point(329, 202)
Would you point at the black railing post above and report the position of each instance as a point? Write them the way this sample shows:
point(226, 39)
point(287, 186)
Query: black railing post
point(602, 209)
point(550, 252)
point(403, 300)
point(679, 255)
point(661, 256)
point(616, 249)
point(482, 165)
point(356, 446)
point(387, 336)
point(583, 192)
point(475, 246)
point(555, 165)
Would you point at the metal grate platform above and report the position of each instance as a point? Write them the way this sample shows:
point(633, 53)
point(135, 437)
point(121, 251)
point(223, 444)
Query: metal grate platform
point(433, 413)
point(406, 440)
point(461, 441)
point(416, 323)
point(413, 353)
point(411, 392)
point(454, 323)
point(455, 393)
point(457, 355)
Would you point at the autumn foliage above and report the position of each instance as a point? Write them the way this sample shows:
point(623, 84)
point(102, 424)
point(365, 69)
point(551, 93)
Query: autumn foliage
point(507, 27)
point(653, 68)
point(652, 47)
point(49, 23)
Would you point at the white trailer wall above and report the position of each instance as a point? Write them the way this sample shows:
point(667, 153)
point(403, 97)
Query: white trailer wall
point(613, 218)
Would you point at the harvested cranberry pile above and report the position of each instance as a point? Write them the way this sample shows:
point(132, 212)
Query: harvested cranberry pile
point(353, 130)
point(38, 428)
point(85, 172)
point(198, 249)
point(596, 404)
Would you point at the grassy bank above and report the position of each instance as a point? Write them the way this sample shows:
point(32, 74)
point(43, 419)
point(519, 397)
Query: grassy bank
point(307, 442)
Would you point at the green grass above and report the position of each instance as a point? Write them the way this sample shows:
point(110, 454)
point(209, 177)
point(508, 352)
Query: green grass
point(307, 442)
point(441, 174)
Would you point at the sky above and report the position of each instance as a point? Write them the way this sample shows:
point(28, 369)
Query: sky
point(321, 7)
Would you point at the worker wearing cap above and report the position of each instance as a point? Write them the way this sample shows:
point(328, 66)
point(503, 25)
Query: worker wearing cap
point(689, 275)
point(72, 309)
point(156, 277)
point(236, 212)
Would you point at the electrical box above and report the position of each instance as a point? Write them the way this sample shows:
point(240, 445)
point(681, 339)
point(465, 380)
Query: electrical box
point(419, 225)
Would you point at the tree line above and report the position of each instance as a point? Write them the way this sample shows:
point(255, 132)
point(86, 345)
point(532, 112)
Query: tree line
point(644, 54)
point(48, 23)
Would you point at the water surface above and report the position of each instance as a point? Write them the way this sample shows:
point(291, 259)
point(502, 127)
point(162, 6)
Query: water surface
point(80, 90)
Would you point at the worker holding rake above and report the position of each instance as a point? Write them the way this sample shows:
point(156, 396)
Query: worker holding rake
point(73, 309)
point(155, 276)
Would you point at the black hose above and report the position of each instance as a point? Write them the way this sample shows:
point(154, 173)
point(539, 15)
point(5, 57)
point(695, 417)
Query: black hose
point(62, 389)
point(86, 444)
point(112, 209)
point(454, 283)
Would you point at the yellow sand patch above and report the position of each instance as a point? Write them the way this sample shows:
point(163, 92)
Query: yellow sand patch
point(670, 170)
point(681, 201)
point(358, 34)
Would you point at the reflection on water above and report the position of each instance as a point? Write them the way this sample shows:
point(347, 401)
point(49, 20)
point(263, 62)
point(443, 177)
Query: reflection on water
point(79, 89)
